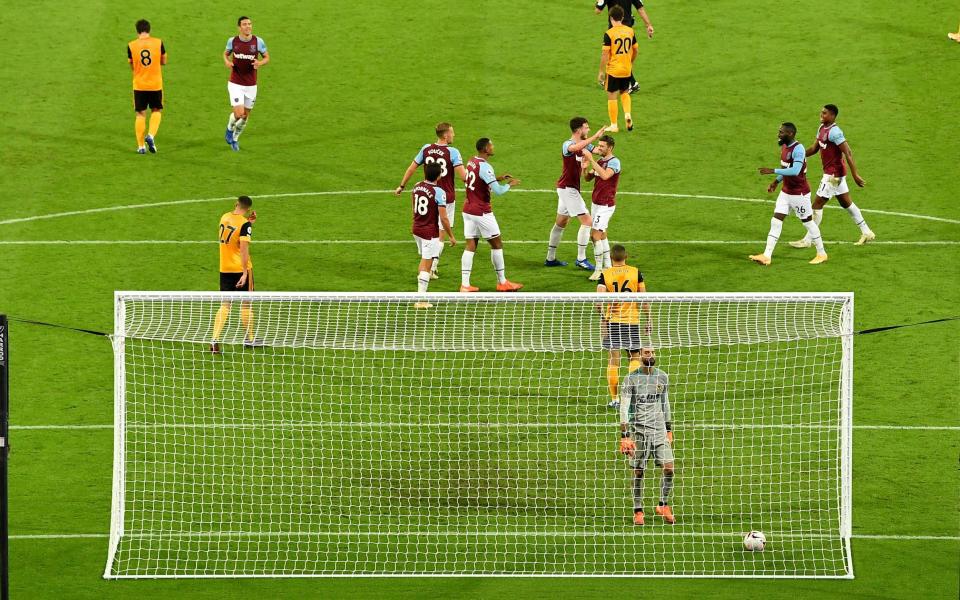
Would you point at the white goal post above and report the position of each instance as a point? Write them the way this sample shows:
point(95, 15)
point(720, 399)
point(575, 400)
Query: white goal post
point(354, 434)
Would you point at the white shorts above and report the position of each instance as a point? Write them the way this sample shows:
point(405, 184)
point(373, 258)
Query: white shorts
point(242, 94)
point(831, 186)
point(601, 216)
point(570, 203)
point(451, 213)
point(475, 227)
point(799, 204)
point(428, 249)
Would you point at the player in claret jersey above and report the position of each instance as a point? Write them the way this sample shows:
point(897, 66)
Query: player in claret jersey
point(795, 195)
point(606, 173)
point(429, 215)
point(241, 55)
point(478, 219)
point(450, 162)
point(833, 148)
point(570, 202)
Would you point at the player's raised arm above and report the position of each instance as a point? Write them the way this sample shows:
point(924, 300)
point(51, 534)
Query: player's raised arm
point(603, 173)
point(576, 147)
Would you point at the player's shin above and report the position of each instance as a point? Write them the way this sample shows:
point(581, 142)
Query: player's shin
point(666, 486)
point(607, 262)
point(612, 111)
point(637, 489)
point(598, 249)
point(219, 321)
point(857, 217)
point(232, 122)
point(613, 381)
point(813, 230)
point(140, 128)
point(466, 266)
point(423, 281)
point(436, 261)
point(239, 127)
point(556, 234)
point(817, 218)
point(625, 101)
point(155, 122)
point(246, 317)
point(583, 238)
point(776, 226)
point(496, 257)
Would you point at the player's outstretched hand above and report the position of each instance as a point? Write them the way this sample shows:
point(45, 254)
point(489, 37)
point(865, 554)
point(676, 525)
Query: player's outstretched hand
point(513, 181)
point(627, 446)
point(252, 216)
point(398, 191)
point(860, 180)
point(766, 171)
point(670, 437)
point(772, 187)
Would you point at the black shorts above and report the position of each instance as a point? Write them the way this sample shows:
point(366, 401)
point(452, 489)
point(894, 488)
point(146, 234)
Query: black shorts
point(228, 283)
point(618, 84)
point(143, 100)
point(622, 336)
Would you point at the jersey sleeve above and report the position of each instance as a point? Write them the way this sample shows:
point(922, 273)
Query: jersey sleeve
point(455, 158)
point(602, 281)
point(261, 46)
point(440, 196)
point(836, 135)
point(229, 45)
point(665, 401)
point(606, 39)
point(614, 164)
point(639, 276)
point(638, 4)
point(246, 231)
point(626, 397)
point(799, 153)
point(163, 49)
point(566, 147)
point(419, 157)
point(129, 55)
point(486, 173)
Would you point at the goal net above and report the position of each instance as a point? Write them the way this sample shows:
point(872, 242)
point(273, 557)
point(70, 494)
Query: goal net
point(359, 435)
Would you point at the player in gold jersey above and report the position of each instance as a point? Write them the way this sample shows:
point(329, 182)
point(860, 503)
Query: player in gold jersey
point(146, 55)
point(236, 268)
point(616, 66)
point(620, 321)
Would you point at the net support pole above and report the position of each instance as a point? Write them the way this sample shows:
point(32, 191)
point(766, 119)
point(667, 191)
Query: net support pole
point(846, 431)
point(119, 433)
point(4, 454)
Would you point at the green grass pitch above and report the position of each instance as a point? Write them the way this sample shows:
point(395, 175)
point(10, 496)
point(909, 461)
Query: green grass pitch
point(350, 95)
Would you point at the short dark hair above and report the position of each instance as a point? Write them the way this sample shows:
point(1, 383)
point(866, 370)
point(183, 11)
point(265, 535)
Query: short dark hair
point(616, 13)
point(143, 26)
point(242, 19)
point(618, 253)
point(245, 201)
point(577, 122)
point(442, 128)
point(482, 144)
point(790, 127)
point(832, 108)
point(432, 171)
point(608, 139)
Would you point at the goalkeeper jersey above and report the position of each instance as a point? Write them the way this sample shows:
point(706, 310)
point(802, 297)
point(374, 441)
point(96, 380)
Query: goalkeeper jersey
point(644, 402)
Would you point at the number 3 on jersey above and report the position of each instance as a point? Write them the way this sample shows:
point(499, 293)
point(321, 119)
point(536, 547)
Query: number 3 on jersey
point(421, 205)
point(440, 161)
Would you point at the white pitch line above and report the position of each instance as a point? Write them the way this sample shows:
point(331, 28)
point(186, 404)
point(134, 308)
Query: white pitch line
point(630, 532)
point(448, 425)
point(261, 242)
point(385, 192)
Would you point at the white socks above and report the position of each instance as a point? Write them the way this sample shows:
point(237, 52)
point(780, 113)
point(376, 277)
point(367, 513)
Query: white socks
point(496, 257)
point(583, 238)
point(857, 217)
point(238, 127)
point(466, 266)
point(776, 226)
point(555, 235)
point(813, 230)
point(423, 281)
point(817, 217)
point(607, 263)
point(232, 122)
point(436, 261)
point(598, 246)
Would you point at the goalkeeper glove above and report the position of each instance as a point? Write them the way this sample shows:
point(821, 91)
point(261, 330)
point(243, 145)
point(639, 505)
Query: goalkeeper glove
point(627, 446)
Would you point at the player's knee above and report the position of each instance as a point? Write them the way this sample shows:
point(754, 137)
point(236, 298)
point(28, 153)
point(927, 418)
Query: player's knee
point(638, 473)
point(807, 219)
point(668, 469)
point(779, 216)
